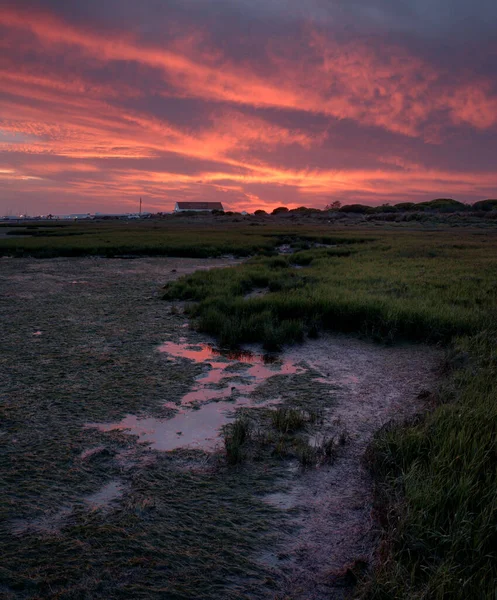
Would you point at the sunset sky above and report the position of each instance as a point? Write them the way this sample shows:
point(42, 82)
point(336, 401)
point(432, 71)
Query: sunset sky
point(254, 103)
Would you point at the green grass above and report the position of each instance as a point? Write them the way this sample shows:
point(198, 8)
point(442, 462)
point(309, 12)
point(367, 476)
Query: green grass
point(421, 287)
point(235, 436)
point(288, 420)
point(269, 436)
point(173, 237)
point(442, 538)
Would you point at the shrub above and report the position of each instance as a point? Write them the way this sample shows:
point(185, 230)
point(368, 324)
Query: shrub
point(356, 208)
point(486, 205)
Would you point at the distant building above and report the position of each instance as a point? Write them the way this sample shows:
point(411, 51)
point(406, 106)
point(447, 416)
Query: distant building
point(197, 206)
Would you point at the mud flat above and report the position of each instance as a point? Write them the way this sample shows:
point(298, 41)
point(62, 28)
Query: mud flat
point(112, 417)
point(331, 505)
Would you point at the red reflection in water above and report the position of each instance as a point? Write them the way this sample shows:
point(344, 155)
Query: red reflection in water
point(203, 352)
point(188, 429)
point(230, 382)
point(234, 378)
point(199, 353)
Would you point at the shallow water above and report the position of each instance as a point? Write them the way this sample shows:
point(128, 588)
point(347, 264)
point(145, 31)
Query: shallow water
point(226, 384)
point(197, 429)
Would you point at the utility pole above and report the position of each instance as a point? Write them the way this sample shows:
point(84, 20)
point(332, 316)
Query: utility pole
point(140, 206)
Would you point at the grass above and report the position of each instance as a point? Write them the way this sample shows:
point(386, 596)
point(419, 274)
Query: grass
point(270, 436)
point(177, 534)
point(173, 237)
point(289, 420)
point(420, 287)
point(235, 436)
point(186, 526)
point(437, 480)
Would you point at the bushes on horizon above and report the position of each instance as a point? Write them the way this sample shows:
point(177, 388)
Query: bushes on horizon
point(356, 208)
point(443, 205)
point(404, 206)
point(385, 208)
point(486, 205)
point(280, 210)
point(304, 210)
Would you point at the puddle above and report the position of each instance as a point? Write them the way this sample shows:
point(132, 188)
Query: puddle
point(196, 429)
point(229, 380)
point(37, 333)
point(203, 352)
point(235, 375)
point(284, 249)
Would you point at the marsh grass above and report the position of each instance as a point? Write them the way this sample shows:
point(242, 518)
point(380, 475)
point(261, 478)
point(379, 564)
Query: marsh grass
point(173, 237)
point(235, 436)
point(437, 483)
point(270, 436)
point(174, 532)
point(185, 521)
point(415, 287)
point(290, 420)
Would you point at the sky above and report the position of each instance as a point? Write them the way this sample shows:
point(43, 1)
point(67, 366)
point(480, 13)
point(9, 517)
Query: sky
point(252, 103)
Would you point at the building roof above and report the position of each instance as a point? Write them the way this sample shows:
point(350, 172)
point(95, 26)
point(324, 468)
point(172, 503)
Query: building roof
point(200, 205)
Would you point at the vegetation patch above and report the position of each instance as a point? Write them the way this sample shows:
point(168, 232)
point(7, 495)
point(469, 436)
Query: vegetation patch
point(419, 287)
point(436, 489)
point(173, 237)
point(270, 436)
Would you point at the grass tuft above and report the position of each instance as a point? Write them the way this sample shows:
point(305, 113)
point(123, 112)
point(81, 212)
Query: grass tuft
point(235, 437)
